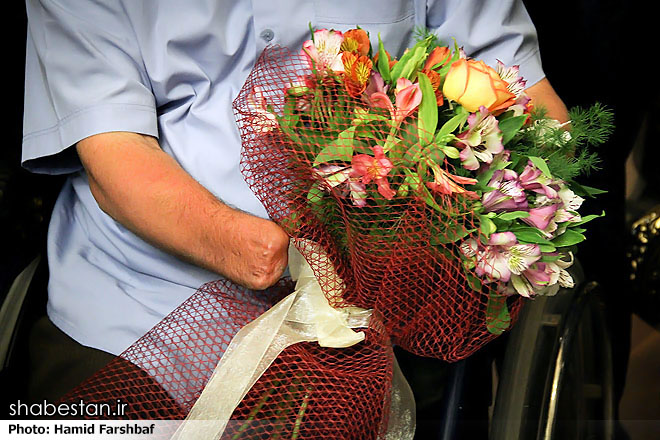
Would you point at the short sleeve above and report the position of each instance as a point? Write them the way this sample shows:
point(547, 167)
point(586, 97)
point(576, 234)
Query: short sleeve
point(489, 30)
point(84, 75)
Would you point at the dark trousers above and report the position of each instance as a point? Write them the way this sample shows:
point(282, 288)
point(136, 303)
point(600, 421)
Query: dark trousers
point(57, 363)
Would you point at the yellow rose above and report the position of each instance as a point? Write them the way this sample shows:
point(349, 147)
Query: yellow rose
point(473, 84)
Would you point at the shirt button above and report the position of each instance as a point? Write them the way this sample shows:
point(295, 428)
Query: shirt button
point(267, 34)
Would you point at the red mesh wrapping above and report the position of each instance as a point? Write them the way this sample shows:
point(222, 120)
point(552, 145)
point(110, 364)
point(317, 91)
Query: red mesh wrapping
point(387, 252)
point(339, 393)
point(161, 376)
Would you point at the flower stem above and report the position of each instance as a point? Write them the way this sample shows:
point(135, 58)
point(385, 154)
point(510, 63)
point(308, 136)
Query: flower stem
point(389, 142)
point(299, 417)
point(254, 412)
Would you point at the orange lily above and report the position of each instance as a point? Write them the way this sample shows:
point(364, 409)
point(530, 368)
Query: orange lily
point(356, 41)
point(438, 55)
point(356, 72)
point(449, 184)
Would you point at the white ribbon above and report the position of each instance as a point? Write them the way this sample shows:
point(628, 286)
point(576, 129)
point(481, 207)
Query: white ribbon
point(304, 315)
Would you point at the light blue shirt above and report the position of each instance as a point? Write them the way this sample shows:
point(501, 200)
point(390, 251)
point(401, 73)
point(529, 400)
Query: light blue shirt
point(171, 69)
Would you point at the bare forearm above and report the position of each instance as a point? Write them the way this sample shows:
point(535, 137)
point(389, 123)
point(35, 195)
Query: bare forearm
point(543, 95)
point(144, 189)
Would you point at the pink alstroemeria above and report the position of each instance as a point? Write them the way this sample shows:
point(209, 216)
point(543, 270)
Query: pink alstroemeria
point(533, 179)
point(509, 195)
point(567, 204)
point(540, 217)
point(481, 141)
point(376, 84)
point(407, 97)
point(334, 176)
point(544, 278)
point(323, 52)
point(264, 121)
point(446, 183)
point(377, 87)
point(374, 168)
point(502, 256)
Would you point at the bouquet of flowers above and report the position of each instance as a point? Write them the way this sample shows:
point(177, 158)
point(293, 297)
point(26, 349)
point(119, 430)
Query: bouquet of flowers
point(428, 199)
point(436, 189)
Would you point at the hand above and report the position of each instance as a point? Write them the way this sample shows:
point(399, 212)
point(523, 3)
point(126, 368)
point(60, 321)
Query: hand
point(253, 251)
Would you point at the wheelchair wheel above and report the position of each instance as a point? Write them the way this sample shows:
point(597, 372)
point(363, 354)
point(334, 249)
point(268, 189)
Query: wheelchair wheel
point(555, 380)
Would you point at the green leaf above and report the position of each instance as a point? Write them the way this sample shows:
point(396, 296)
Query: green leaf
point(403, 190)
point(547, 248)
point(511, 126)
point(584, 190)
point(288, 131)
point(362, 116)
point(451, 152)
point(339, 149)
point(588, 218)
point(428, 110)
point(497, 314)
point(297, 90)
point(474, 282)
point(452, 124)
point(408, 61)
point(428, 198)
point(506, 216)
point(412, 179)
point(530, 235)
point(486, 225)
point(314, 198)
point(541, 165)
point(289, 116)
point(383, 63)
point(549, 258)
point(455, 57)
point(496, 165)
point(436, 154)
point(568, 238)
point(416, 184)
point(451, 235)
point(292, 223)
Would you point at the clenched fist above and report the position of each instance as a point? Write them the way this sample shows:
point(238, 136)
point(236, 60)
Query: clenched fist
point(253, 251)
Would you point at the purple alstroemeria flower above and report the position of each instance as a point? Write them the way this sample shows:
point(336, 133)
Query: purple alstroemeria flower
point(376, 84)
point(533, 179)
point(544, 278)
point(502, 256)
point(541, 217)
point(509, 194)
point(565, 210)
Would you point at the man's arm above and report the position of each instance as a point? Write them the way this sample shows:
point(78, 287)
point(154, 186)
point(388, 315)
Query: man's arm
point(146, 190)
point(544, 95)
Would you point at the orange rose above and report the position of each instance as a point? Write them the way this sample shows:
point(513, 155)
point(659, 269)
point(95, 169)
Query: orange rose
point(474, 84)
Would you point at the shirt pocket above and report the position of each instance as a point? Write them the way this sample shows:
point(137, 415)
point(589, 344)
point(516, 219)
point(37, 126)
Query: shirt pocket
point(393, 19)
